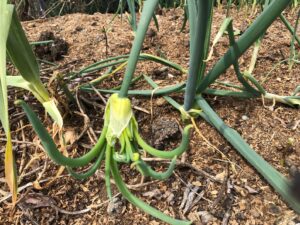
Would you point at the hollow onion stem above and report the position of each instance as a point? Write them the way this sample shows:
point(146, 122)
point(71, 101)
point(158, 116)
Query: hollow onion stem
point(147, 13)
point(258, 27)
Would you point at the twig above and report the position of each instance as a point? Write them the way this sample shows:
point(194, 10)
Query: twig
point(30, 184)
point(135, 187)
point(86, 120)
point(185, 195)
point(182, 181)
point(141, 109)
point(70, 212)
point(103, 203)
point(211, 145)
point(99, 94)
point(27, 166)
point(93, 103)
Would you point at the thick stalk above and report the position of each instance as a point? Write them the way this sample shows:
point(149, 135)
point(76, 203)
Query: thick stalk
point(200, 21)
point(147, 13)
point(258, 27)
point(289, 27)
point(207, 43)
point(272, 176)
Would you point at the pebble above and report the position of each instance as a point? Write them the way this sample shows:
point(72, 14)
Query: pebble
point(160, 102)
point(206, 217)
point(244, 117)
point(273, 209)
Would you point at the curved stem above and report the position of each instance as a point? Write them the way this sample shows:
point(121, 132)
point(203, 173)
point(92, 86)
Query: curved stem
point(165, 154)
point(139, 203)
point(148, 171)
point(155, 92)
point(124, 58)
point(50, 146)
point(91, 170)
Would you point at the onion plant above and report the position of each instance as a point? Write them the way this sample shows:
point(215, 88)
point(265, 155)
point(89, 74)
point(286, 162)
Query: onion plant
point(6, 12)
point(14, 42)
point(120, 141)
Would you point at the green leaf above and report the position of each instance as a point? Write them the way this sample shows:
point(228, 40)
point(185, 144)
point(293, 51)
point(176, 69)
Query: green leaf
point(53, 111)
point(6, 12)
point(165, 154)
point(132, 17)
point(155, 92)
point(147, 13)
point(90, 171)
point(257, 28)
point(200, 17)
point(50, 106)
point(148, 171)
point(23, 58)
point(220, 33)
point(120, 114)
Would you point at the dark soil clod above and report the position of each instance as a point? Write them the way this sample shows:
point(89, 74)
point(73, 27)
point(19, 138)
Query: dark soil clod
point(164, 129)
point(53, 51)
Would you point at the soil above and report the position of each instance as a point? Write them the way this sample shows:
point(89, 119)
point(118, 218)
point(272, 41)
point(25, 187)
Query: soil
point(227, 188)
point(52, 51)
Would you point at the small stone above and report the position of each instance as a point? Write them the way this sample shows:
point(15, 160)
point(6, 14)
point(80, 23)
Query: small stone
point(170, 75)
point(156, 193)
point(170, 198)
point(273, 209)
point(240, 216)
point(186, 43)
point(114, 206)
point(293, 170)
point(160, 73)
point(78, 28)
point(160, 102)
point(151, 33)
point(251, 190)
point(244, 117)
point(255, 213)
point(94, 23)
point(205, 216)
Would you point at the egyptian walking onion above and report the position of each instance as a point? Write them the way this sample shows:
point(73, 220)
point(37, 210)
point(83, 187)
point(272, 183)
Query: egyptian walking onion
point(120, 141)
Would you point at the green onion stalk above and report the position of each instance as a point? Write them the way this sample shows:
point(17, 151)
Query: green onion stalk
point(277, 180)
point(252, 34)
point(120, 141)
point(6, 11)
point(200, 18)
point(280, 184)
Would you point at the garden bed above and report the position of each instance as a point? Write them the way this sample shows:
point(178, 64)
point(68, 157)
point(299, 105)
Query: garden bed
point(231, 189)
